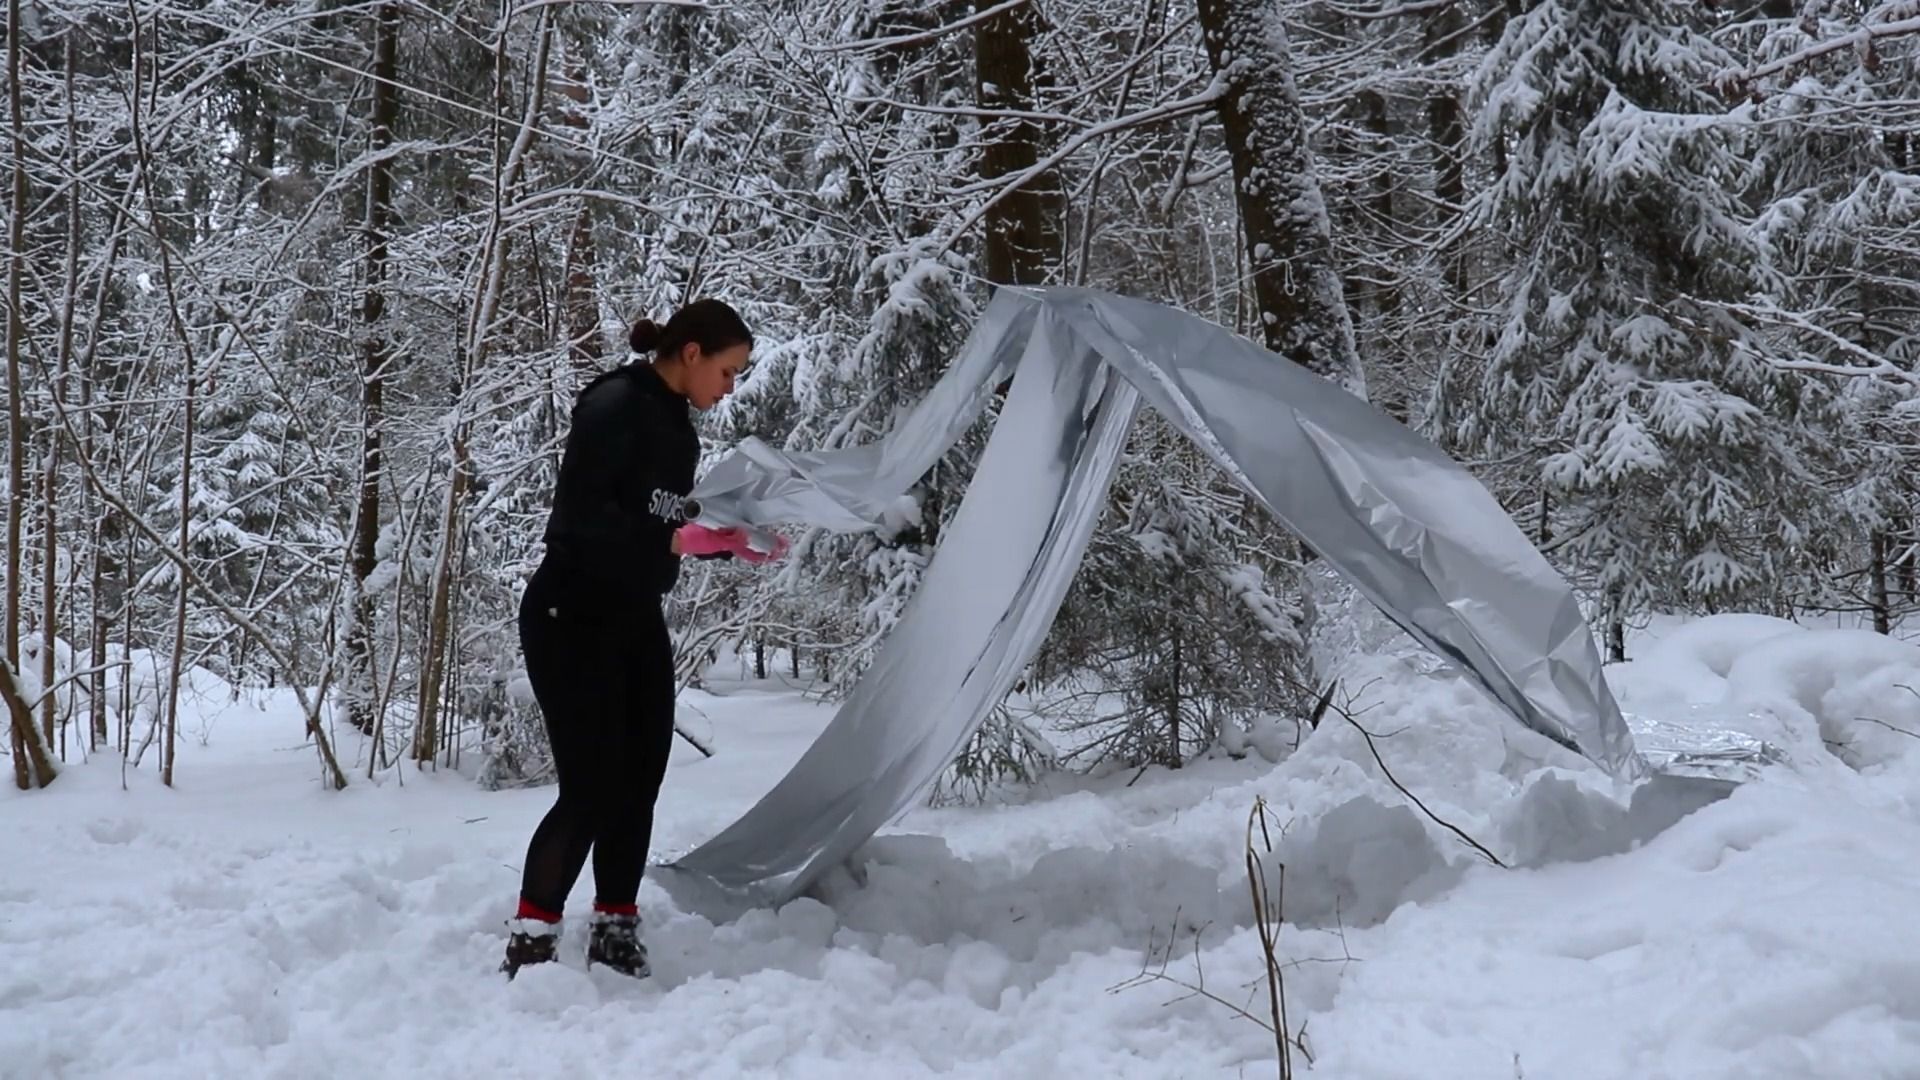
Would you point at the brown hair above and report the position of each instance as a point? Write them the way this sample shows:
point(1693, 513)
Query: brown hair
point(711, 324)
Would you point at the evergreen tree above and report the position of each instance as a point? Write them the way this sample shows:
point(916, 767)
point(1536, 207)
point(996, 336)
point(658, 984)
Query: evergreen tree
point(1665, 443)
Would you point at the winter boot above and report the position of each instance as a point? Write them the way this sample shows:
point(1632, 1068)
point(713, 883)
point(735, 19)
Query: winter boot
point(531, 941)
point(615, 942)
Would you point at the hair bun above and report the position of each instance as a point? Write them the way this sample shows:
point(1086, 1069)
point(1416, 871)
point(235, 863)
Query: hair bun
point(645, 336)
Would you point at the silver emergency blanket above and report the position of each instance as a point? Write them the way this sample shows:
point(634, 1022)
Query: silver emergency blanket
point(1411, 529)
point(1708, 745)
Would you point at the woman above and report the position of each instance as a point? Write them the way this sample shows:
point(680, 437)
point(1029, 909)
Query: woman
point(596, 642)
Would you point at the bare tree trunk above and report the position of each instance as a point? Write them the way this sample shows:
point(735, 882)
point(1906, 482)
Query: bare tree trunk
point(1288, 239)
point(1447, 133)
point(97, 655)
point(1910, 555)
point(49, 594)
point(439, 614)
point(580, 308)
point(1303, 311)
point(69, 309)
point(126, 632)
point(16, 419)
point(145, 156)
point(103, 532)
point(493, 273)
point(1023, 229)
point(35, 759)
point(1616, 611)
point(186, 540)
point(1173, 703)
point(376, 354)
point(1877, 584)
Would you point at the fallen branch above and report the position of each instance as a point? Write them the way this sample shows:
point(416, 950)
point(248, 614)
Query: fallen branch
point(1415, 799)
point(1889, 727)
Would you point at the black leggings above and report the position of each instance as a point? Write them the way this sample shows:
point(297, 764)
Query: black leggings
point(605, 688)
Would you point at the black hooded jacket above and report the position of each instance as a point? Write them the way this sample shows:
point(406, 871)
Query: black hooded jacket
point(622, 491)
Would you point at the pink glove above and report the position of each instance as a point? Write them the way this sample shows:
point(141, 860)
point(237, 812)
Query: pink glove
point(699, 541)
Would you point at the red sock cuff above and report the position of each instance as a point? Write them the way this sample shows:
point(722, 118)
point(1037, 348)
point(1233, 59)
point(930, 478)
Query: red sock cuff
point(615, 909)
point(531, 910)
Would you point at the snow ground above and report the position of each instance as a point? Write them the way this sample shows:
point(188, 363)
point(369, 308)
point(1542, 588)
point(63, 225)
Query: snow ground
point(249, 924)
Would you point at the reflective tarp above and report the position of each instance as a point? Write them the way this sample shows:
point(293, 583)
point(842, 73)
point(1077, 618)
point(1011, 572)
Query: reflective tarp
point(1411, 529)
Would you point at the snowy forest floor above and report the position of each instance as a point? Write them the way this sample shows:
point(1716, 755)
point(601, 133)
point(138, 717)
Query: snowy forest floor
point(249, 924)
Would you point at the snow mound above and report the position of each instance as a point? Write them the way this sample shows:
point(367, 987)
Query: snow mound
point(1853, 691)
point(1690, 664)
point(1816, 694)
point(1357, 863)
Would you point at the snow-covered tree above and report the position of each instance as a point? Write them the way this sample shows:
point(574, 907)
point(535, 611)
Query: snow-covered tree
point(1666, 445)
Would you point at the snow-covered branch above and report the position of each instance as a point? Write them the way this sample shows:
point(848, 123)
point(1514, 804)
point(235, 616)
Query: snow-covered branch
point(921, 38)
point(1862, 39)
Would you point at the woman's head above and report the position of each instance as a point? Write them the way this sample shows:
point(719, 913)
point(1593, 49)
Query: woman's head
point(699, 352)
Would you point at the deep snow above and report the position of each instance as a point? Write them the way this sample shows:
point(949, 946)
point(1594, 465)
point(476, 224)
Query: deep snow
point(249, 924)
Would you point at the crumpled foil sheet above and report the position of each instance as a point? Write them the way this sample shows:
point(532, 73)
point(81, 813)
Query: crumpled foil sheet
point(1704, 745)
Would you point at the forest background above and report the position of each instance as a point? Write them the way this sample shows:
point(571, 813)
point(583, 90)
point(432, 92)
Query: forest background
point(298, 294)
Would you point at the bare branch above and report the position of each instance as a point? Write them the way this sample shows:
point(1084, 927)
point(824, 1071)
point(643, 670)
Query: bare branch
point(1415, 799)
point(917, 38)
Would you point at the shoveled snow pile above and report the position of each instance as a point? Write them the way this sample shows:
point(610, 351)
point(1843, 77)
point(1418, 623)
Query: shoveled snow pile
point(249, 924)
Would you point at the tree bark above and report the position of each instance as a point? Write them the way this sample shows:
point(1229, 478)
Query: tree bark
point(1303, 310)
point(186, 538)
point(69, 309)
point(97, 631)
point(49, 592)
point(580, 307)
point(1909, 558)
point(1173, 703)
point(439, 613)
point(1616, 612)
point(16, 419)
point(376, 354)
point(33, 762)
point(1877, 584)
point(1023, 229)
point(1447, 134)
